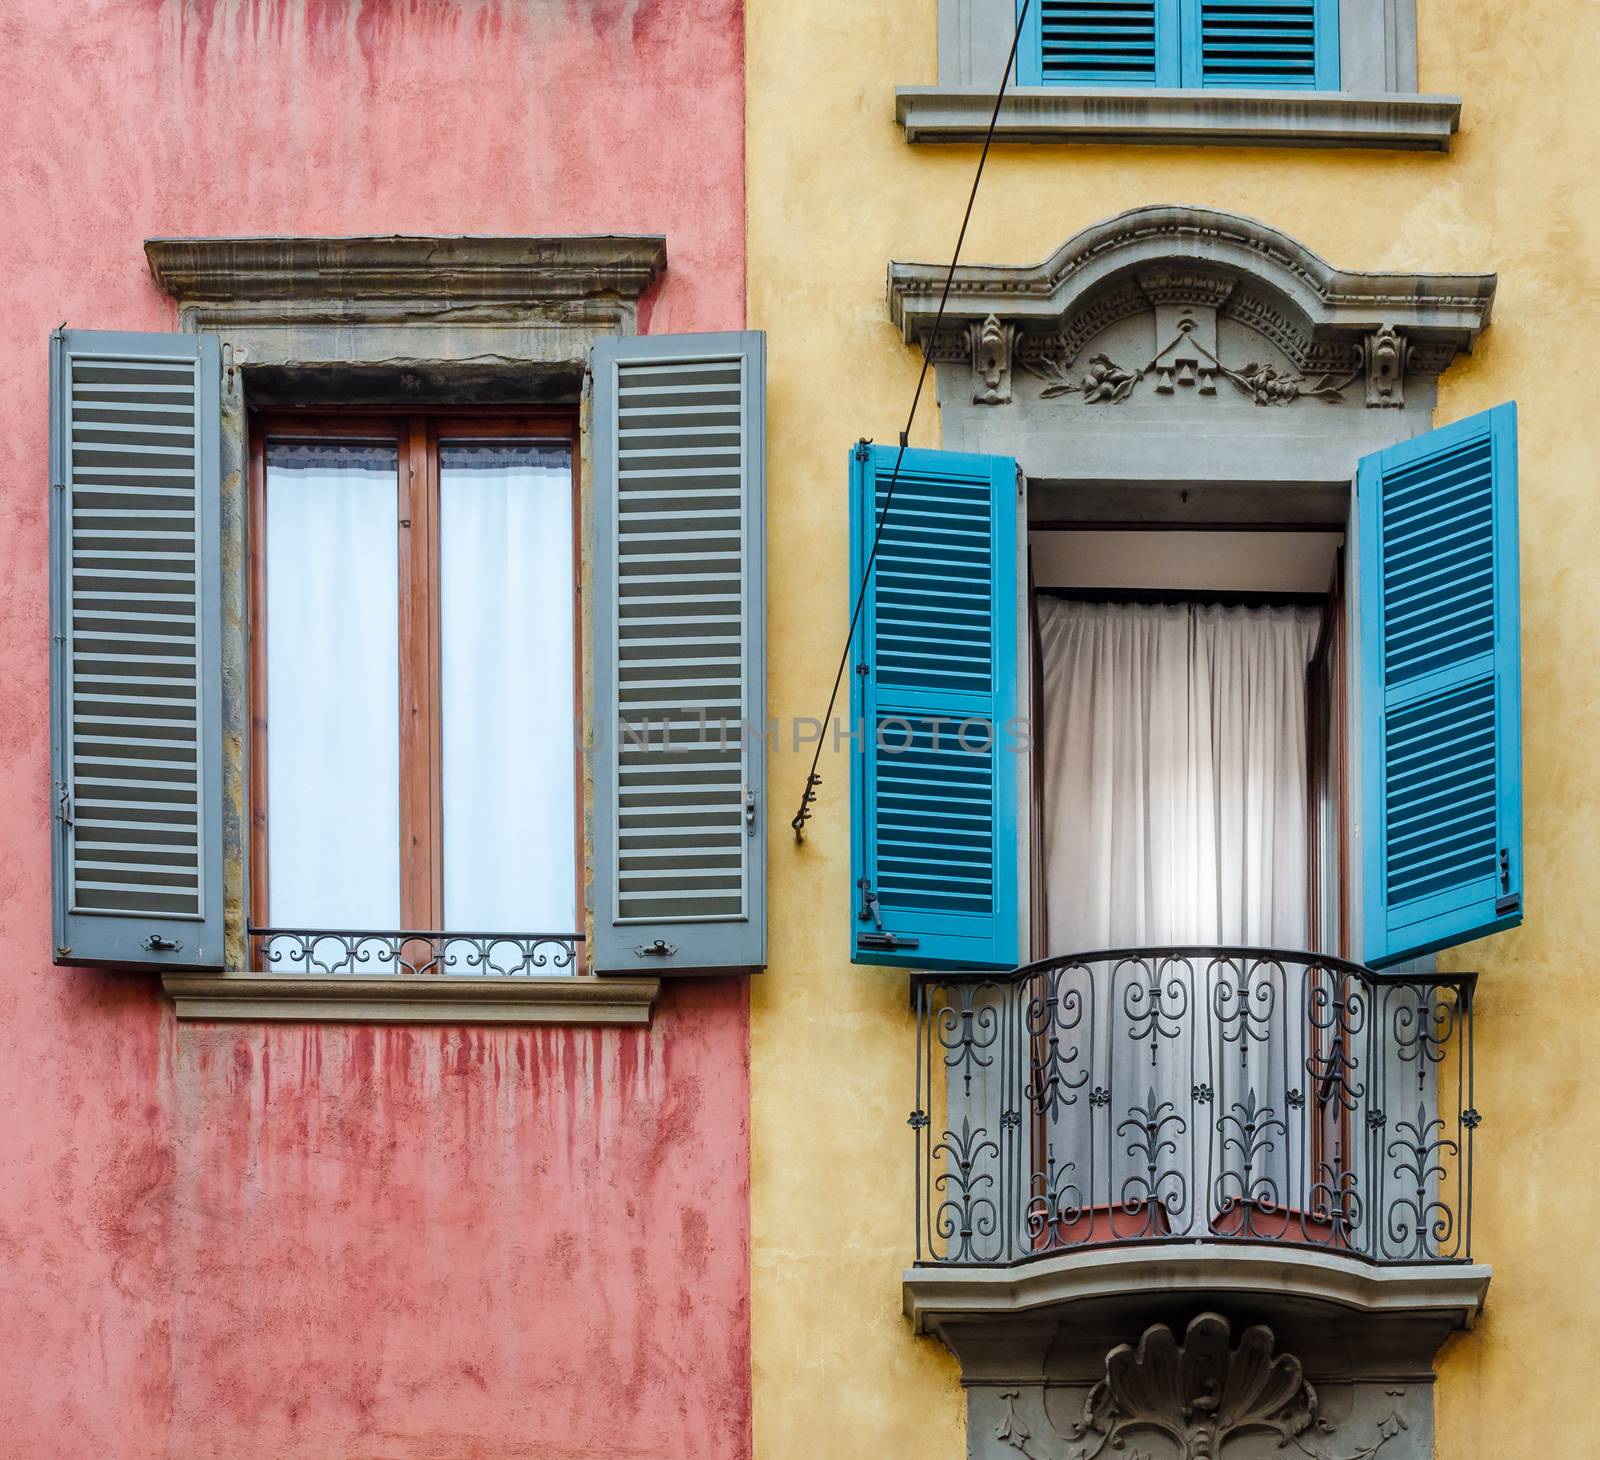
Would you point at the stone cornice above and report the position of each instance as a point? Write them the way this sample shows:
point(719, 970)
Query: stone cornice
point(1449, 310)
point(1145, 115)
point(406, 277)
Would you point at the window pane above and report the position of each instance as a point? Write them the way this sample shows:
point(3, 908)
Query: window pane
point(509, 732)
point(333, 685)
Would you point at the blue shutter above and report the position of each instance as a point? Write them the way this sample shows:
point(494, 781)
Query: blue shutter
point(135, 661)
point(1290, 44)
point(933, 706)
point(1099, 43)
point(1441, 724)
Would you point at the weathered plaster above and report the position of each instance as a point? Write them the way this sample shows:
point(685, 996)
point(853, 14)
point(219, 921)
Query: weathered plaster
point(299, 1242)
point(838, 1371)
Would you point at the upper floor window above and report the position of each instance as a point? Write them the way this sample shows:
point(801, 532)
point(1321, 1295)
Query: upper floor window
point(1291, 44)
point(417, 687)
point(1203, 735)
point(1260, 73)
point(370, 643)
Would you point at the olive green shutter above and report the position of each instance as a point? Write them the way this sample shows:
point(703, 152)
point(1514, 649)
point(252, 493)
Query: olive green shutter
point(136, 683)
point(680, 684)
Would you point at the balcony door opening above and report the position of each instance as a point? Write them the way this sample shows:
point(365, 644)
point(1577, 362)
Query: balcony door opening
point(1181, 733)
point(1186, 785)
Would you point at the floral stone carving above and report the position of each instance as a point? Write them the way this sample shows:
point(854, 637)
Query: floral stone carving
point(1104, 381)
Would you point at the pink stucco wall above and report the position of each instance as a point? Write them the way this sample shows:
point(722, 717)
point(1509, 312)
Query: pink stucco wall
point(343, 1241)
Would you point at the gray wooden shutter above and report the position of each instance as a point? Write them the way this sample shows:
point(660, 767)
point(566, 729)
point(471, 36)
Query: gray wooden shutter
point(135, 665)
point(680, 669)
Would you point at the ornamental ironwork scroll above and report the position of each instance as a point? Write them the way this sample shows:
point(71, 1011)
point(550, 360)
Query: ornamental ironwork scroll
point(1183, 1094)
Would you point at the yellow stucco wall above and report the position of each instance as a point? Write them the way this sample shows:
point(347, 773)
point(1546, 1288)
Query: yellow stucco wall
point(834, 193)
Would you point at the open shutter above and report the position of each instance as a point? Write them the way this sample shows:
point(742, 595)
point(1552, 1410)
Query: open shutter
point(1441, 726)
point(1289, 44)
point(680, 669)
point(1099, 43)
point(136, 675)
point(933, 709)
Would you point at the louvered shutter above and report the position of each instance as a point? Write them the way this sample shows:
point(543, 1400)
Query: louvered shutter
point(1440, 720)
point(680, 676)
point(1099, 43)
point(933, 710)
point(1289, 44)
point(136, 683)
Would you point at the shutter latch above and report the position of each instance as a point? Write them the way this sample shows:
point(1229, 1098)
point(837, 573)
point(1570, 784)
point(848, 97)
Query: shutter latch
point(63, 804)
point(155, 943)
point(871, 912)
point(659, 949)
point(749, 811)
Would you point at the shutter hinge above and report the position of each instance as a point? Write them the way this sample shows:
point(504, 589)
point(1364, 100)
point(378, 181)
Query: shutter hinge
point(63, 804)
point(863, 670)
point(749, 811)
point(1510, 901)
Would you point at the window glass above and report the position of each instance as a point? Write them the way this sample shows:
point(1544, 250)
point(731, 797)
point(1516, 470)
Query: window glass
point(508, 707)
point(332, 637)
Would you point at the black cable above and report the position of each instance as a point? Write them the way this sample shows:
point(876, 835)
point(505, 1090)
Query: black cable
point(813, 780)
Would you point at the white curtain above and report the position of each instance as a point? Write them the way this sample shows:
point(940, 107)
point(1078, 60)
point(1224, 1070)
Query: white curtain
point(333, 675)
point(1174, 743)
point(508, 704)
point(1175, 812)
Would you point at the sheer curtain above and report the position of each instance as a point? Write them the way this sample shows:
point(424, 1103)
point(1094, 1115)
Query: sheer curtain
point(508, 704)
point(1175, 812)
point(333, 685)
point(1174, 744)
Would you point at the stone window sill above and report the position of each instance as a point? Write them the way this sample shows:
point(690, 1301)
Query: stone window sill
point(420, 999)
point(1394, 120)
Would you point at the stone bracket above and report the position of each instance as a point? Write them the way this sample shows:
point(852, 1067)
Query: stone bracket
point(993, 344)
point(1386, 353)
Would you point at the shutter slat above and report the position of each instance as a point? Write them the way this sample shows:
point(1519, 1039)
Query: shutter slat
point(1287, 44)
point(679, 489)
point(1441, 699)
point(1100, 42)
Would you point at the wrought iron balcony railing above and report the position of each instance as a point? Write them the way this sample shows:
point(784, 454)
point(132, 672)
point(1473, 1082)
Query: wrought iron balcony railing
point(1193, 1094)
point(314, 952)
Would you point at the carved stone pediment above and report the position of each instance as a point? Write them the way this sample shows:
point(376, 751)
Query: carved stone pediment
point(1170, 325)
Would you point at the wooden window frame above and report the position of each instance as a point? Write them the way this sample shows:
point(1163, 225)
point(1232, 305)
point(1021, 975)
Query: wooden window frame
point(416, 436)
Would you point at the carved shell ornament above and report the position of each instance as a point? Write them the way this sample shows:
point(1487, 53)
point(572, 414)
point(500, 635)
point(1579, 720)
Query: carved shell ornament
point(1200, 1394)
